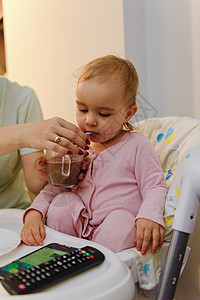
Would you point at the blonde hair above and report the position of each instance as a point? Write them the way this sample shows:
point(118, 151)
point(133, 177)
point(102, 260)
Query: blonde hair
point(109, 66)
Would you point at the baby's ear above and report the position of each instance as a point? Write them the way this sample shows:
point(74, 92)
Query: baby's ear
point(130, 113)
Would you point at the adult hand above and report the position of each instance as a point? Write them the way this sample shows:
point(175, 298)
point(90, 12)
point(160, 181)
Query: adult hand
point(41, 167)
point(83, 171)
point(147, 230)
point(43, 134)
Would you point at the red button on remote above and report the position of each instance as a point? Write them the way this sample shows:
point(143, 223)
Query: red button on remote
point(91, 256)
point(21, 286)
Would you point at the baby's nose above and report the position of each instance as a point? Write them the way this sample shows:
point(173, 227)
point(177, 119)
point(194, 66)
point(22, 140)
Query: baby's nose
point(91, 119)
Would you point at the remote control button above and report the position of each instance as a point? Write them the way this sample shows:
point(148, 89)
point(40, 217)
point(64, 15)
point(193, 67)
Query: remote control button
point(80, 261)
point(22, 273)
point(87, 254)
point(43, 270)
point(21, 286)
point(38, 272)
point(91, 256)
point(28, 284)
point(83, 258)
point(38, 278)
point(57, 270)
point(83, 251)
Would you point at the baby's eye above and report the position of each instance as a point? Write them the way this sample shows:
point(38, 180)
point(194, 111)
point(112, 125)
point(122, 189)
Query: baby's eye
point(83, 110)
point(104, 115)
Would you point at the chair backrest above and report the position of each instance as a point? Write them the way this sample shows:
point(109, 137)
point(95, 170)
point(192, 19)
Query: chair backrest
point(175, 140)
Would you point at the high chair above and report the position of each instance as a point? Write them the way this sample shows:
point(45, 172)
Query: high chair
point(177, 143)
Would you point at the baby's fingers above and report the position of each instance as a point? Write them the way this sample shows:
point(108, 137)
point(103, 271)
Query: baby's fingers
point(158, 238)
point(33, 237)
point(24, 238)
point(38, 236)
point(156, 241)
point(27, 237)
point(146, 241)
point(139, 239)
point(162, 236)
point(42, 231)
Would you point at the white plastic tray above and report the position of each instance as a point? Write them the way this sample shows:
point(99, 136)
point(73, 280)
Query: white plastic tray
point(111, 280)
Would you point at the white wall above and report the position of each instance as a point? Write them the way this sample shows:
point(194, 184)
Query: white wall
point(195, 40)
point(47, 40)
point(163, 38)
point(169, 57)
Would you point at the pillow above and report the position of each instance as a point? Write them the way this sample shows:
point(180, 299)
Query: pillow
point(175, 139)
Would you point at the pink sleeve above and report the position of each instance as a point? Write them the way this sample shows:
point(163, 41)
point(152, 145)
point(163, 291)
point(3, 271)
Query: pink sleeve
point(44, 199)
point(151, 183)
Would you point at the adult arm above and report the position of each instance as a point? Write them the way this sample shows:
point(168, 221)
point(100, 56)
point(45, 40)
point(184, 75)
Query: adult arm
point(41, 135)
point(34, 181)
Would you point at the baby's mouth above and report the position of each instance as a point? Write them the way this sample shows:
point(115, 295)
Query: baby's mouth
point(90, 133)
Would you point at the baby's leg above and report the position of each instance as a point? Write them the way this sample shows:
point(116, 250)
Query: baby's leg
point(64, 212)
point(117, 231)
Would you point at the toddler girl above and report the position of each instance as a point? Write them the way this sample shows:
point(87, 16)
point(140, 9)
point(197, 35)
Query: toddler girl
point(120, 202)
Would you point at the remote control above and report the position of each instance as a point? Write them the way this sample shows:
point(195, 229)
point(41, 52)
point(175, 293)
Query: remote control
point(61, 262)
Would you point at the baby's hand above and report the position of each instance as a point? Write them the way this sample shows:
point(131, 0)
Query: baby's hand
point(33, 232)
point(146, 231)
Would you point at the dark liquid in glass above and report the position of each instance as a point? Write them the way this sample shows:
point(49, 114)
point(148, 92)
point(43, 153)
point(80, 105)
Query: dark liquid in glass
point(54, 169)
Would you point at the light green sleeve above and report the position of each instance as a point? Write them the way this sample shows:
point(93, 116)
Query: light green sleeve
point(30, 112)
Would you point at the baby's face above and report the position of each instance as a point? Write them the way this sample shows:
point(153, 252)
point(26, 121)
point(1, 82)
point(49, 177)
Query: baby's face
point(101, 108)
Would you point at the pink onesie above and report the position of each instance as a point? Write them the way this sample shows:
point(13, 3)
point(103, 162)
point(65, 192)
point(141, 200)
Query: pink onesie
point(123, 183)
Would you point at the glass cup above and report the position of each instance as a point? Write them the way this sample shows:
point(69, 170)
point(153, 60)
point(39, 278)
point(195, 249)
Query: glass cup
point(63, 170)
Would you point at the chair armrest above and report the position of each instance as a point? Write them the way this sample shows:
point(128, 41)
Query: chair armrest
point(188, 203)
